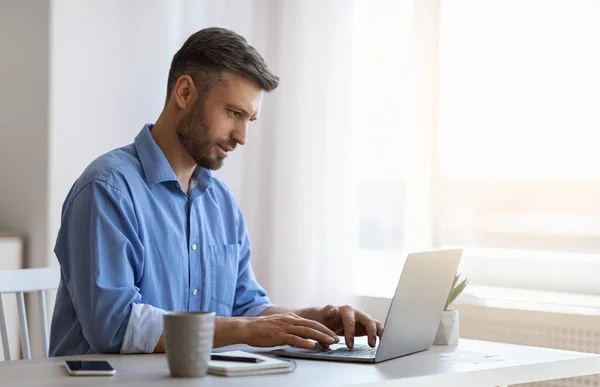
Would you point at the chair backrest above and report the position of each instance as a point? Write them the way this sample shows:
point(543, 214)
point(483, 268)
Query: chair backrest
point(23, 281)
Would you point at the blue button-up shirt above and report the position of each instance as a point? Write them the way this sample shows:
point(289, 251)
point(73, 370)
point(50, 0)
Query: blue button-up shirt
point(133, 244)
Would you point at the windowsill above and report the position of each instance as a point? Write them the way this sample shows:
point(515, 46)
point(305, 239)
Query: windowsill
point(526, 299)
point(566, 281)
point(512, 298)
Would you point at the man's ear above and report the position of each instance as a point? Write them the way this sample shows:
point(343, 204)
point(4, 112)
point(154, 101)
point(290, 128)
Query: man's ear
point(184, 92)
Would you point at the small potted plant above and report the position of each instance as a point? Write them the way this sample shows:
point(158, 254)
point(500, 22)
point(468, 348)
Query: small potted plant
point(447, 333)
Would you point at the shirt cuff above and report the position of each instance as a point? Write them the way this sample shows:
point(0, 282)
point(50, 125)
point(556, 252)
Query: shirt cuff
point(143, 329)
point(257, 310)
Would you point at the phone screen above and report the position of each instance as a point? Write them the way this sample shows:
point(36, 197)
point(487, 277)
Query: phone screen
point(89, 365)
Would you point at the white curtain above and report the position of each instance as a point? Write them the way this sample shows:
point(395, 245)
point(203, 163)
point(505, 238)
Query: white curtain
point(293, 178)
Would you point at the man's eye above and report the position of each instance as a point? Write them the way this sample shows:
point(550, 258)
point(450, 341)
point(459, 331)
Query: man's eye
point(233, 114)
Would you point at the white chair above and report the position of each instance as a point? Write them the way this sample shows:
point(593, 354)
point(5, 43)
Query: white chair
point(24, 281)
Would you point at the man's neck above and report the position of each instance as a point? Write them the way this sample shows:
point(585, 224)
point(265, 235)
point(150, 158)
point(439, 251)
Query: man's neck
point(181, 162)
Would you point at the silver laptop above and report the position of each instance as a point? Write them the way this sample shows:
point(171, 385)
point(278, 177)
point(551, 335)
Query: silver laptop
point(413, 317)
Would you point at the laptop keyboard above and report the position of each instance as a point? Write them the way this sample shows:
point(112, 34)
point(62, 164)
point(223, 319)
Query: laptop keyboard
point(359, 350)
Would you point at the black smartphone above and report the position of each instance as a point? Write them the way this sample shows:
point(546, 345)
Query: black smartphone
point(89, 368)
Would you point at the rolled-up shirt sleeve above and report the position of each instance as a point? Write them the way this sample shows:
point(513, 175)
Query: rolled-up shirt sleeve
point(143, 329)
point(102, 264)
point(250, 297)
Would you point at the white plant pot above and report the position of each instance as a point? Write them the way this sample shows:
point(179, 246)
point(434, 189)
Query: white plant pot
point(447, 333)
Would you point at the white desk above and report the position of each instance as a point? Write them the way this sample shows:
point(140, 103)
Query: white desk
point(519, 365)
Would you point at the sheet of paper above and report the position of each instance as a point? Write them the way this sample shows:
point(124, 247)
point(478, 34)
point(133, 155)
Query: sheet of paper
point(470, 357)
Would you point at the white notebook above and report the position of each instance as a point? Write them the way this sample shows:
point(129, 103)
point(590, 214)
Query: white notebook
point(268, 365)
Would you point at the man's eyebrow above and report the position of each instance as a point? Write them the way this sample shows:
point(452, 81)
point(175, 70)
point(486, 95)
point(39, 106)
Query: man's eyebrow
point(240, 109)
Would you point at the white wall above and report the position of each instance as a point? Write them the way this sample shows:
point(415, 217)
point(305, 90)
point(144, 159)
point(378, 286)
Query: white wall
point(24, 26)
point(109, 67)
point(24, 57)
point(78, 79)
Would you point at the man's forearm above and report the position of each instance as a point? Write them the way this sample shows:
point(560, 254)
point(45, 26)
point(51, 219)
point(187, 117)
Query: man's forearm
point(228, 331)
point(160, 346)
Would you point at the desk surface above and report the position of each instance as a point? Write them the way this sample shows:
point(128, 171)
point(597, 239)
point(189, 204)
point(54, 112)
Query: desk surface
point(518, 364)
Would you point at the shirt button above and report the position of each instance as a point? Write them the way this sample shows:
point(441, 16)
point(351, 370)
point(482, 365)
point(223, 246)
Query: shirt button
point(194, 247)
point(195, 291)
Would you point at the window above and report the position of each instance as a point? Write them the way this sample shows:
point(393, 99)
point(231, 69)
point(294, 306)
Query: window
point(516, 176)
point(381, 113)
point(519, 95)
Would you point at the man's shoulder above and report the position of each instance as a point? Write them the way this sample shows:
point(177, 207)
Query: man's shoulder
point(113, 168)
point(219, 186)
point(222, 190)
point(226, 198)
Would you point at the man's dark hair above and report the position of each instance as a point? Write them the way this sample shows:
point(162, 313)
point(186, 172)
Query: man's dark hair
point(206, 54)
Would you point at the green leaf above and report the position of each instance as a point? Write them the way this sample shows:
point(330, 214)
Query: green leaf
point(456, 277)
point(456, 290)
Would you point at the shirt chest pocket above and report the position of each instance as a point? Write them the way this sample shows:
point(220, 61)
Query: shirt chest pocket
point(224, 262)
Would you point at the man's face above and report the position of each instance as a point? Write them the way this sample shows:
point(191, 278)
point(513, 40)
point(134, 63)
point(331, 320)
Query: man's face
point(213, 127)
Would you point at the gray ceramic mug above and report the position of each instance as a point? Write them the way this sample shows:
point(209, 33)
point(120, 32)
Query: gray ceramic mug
point(188, 342)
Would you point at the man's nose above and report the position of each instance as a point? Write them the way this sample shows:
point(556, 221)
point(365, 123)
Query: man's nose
point(239, 134)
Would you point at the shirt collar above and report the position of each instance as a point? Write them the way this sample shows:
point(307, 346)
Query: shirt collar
point(156, 166)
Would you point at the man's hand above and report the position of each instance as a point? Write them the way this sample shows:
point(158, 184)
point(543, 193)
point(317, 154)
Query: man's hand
point(286, 329)
point(347, 321)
